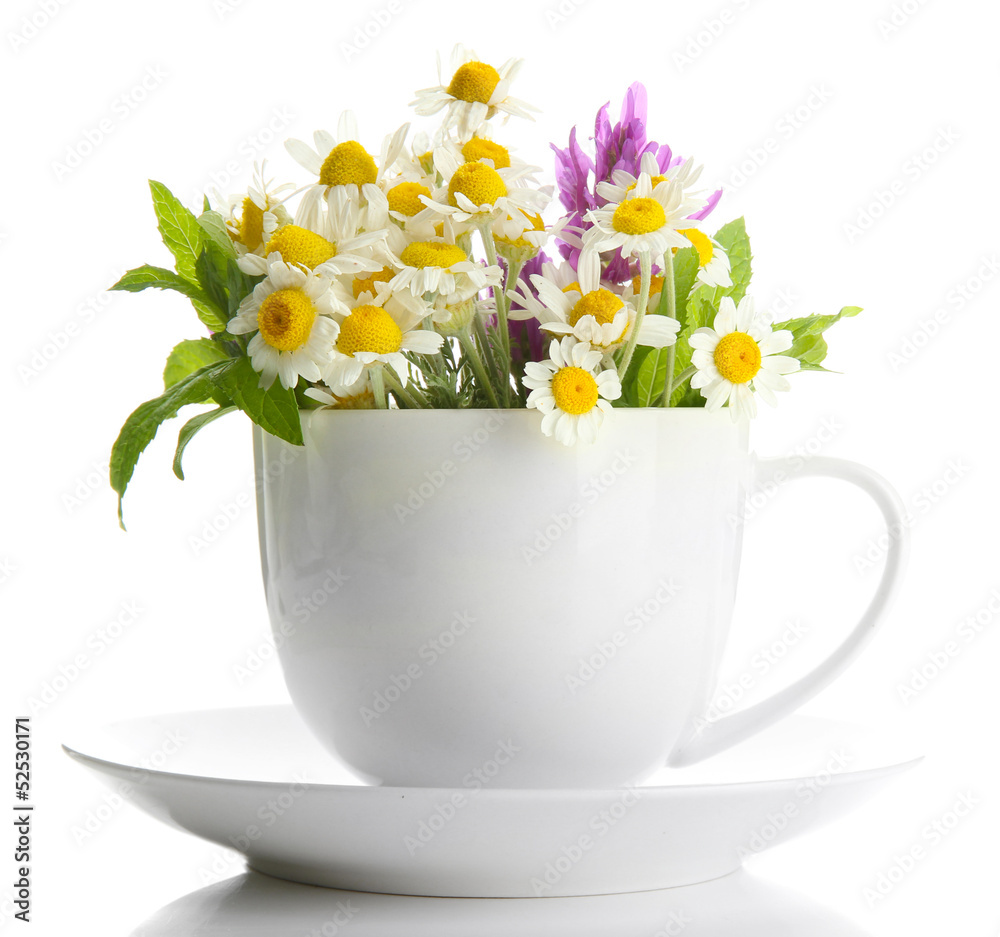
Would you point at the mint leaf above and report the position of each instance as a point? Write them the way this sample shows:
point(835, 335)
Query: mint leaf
point(179, 229)
point(274, 409)
point(808, 343)
point(685, 272)
point(189, 356)
point(651, 377)
point(160, 278)
point(214, 226)
point(146, 276)
point(188, 431)
point(145, 420)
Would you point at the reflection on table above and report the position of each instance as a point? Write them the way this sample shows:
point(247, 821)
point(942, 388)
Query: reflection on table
point(255, 905)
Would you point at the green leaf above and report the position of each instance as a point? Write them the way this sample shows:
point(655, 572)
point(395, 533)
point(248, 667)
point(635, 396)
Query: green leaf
point(685, 272)
point(808, 343)
point(274, 409)
point(238, 286)
point(212, 280)
point(179, 229)
point(146, 276)
point(145, 420)
point(214, 226)
point(188, 431)
point(651, 377)
point(159, 277)
point(189, 356)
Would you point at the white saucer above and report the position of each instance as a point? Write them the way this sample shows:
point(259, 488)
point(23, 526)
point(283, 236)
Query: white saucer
point(254, 780)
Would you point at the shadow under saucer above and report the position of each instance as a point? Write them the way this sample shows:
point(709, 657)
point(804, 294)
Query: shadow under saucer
point(256, 905)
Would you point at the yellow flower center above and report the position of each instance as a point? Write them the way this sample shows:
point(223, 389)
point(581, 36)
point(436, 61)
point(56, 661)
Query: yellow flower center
point(369, 328)
point(655, 284)
point(654, 180)
point(366, 284)
point(474, 82)
point(575, 390)
point(251, 225)
point(432, 254)
point(639, 216)
point(405, 198)
point(737, 356)
point(601, 304)
point(286, 318)
point(479, 148)
point(480, 184)
point(348, 164)
point(702, 243)
point(573, 286)
point(301, 246)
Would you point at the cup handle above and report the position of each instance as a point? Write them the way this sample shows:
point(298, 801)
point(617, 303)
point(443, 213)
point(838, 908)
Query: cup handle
point(714, 737)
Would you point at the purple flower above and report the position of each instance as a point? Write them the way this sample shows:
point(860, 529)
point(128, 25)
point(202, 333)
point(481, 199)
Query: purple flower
point(618, 146)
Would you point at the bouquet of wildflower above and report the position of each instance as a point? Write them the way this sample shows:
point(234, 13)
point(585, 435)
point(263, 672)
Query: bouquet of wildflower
point(418, 279)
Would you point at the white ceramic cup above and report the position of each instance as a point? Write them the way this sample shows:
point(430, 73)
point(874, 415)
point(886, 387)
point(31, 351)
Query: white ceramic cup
point(459, 601)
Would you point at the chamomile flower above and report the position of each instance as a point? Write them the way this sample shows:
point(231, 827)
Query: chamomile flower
point(440, 266)
point(740, 356)
point(402, 212)
point(290, 311)
point(449, 154)
point(261, 212)
point(376, 331)
point(685, 173)
point(713, 262)
point(324, 237)
point(646, 221)
point(479, 194)
point(474, 94)
point(591, 313)
point(359, 396)
point(571, 391)
point(341, 160)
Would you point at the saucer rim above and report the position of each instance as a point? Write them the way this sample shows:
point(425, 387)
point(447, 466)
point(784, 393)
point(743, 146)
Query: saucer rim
point(99, 763)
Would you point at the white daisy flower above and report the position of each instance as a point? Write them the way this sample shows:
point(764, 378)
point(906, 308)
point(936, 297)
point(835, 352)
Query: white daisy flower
point(440, 266)
point(738, 356)
point(359, 396)
point(325, 236)
point(449, 154)
point(402, 213)
point(645, 221)
point(290, 311)
point(261, 212)
point(479, 194)
point(591, 313)
point(569, 390)
point(342, 161)
point(685, 174)
point(376, 331)
point(531, 240)
point(475, 93)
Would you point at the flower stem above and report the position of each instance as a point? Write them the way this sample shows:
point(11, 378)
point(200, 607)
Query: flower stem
point(469, 347)
point(671, 294)
point(378, 388)
point(484, 344)
point(411, 397)
point(645, 269)
point(500, 298)
point(685, 375)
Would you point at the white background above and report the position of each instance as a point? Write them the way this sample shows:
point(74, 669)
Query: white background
point(813, 115)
